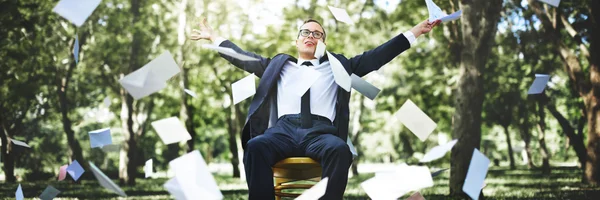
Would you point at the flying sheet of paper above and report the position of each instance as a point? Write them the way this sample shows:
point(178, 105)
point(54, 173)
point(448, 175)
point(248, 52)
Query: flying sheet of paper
point(151, 77)
point(386, 185)
point(62, 172)
point(172, 186)
point(100, 138)
point(316, 191)
point(76, 11)
point(303, 79)
point(106, 102)
point(191, 93)
point(438, 152)
point(148, 168)
point(435, 13)
point(341, 15)
point(75, 170)
point(364, 87)
point(49, 193)
point(352, 148)
point(19, 143)
point(339, 73)
point(416, 120)
point(320, 51)
point(194, 177)
point(416, 196)
point(551, 2)
point(539, 84)
point(19, 193)
point(243, 88)
point(230, 52)
point(76, 49)
point(105, 181)
point(171, 130)
point(476, 174)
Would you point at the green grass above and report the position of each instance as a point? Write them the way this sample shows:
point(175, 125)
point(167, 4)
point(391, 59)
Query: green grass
point(502, 183)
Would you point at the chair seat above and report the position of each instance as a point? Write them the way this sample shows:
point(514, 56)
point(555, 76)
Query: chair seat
point(295, 169)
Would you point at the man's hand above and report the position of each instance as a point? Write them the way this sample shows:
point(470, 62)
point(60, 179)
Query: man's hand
point(205, 32)
point(424, 27)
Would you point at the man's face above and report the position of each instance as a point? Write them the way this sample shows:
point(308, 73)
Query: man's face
point(308, 44)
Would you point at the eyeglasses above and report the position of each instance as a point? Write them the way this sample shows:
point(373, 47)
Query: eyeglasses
point(306, 33)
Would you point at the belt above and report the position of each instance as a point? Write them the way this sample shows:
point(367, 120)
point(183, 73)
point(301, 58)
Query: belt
point(297, 118)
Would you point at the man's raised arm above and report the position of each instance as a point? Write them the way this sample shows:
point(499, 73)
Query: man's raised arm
point(374, 59)
point(206, 33)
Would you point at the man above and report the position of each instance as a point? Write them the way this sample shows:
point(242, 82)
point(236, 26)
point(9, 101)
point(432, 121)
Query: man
point(281, 124)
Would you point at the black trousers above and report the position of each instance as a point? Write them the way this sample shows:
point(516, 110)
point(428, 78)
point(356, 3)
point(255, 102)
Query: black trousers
point(286, 139)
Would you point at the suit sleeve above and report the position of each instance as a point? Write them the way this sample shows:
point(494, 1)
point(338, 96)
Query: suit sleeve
point(375, 58)
point(256, 67)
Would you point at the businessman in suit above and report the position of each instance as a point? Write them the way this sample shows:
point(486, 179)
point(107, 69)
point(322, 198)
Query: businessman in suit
point(280, 124)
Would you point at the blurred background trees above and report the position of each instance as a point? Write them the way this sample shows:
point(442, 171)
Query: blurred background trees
point(471, 76)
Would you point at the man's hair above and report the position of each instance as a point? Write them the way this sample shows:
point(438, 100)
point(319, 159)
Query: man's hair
point(315, 21)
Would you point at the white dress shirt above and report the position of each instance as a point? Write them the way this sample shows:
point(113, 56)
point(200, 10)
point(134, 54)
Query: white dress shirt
point(323, 93)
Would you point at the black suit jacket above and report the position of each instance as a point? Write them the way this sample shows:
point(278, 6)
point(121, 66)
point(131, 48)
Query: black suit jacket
point(263, 109)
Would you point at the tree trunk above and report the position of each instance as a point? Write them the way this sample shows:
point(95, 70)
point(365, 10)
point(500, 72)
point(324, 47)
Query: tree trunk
point(356, 130)
point(231, 122)
point(542, 139)
point(592, 169)
point(62, 87)
point(127, 164)
point(575, 140)
point(478, 26)
point(524, 131)
point(7, 155)
point(510, 150)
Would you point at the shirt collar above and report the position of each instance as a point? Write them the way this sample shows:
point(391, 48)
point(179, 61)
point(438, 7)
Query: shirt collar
point(315, 61)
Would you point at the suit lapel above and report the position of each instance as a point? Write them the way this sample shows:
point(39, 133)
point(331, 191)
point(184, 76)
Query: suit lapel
point(268, 80)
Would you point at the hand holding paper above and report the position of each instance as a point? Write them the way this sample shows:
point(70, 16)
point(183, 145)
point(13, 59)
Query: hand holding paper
point(436, 13)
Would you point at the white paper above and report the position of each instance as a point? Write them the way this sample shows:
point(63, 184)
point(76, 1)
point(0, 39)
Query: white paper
point(100, 138)
point(107, 102)
point(476, 175)
point(148, 168)
point(105, 181)
point(435, 13)
point(19, 143)
point(341, 15)
point(194, 178)
point(243, 88)
point(364, 87)
point(151, 77)
point(19, 193)
point(352, 148)
point(320, 51)
point(551, 2)
point(539, 84)
point(49, 193)
point(339, 73)
point(394, 184)
point(230, 52)
point(438, 152)
point(316, 191)
point(191, 93)
point(76, 49)
point(416, 120)
point(76, 11)
point(303, 79)
point(172, 186)
point(75, 170)
point(171, 130)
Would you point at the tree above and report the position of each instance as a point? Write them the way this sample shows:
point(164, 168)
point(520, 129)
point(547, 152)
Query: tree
point(478, 28)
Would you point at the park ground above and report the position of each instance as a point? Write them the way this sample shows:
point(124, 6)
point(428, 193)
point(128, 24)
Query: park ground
point(502, 183)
